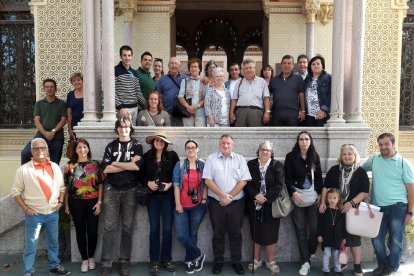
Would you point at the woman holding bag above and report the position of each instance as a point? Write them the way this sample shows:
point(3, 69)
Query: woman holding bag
point(303, 176)
point(266, 184)
point(353, 182)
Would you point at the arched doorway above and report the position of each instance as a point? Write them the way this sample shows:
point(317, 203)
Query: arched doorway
point(219, 25)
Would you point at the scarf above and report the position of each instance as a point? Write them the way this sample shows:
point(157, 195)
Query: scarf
point(345, 176)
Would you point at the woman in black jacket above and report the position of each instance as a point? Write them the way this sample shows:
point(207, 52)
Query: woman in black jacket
point(266, 184)
point(303, 176)
point(158, 170)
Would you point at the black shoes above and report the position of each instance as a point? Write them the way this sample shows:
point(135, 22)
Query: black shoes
point(238, 268)
point(217, 267)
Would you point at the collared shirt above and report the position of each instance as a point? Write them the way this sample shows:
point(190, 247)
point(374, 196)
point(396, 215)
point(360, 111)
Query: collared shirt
point(226, 172)
point(286, 93)
point(168, 89)
point(389, 178)
point(50, 114)
point(146, 82)
point(26, 185)
point(250, 93)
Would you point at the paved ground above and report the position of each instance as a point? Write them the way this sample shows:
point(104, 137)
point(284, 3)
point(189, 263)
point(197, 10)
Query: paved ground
point(12, 265)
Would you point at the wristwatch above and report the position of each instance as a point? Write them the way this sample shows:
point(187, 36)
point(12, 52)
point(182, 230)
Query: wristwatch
point(410, 213)
point(53, 130)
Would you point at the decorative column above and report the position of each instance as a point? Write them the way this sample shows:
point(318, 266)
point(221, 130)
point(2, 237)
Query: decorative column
point(357, 60)
point(338, 45)
point(128, 8)
point(89, 109)
point(347, 61)
point(311, 7)
point(98, 58)
point(108, 73)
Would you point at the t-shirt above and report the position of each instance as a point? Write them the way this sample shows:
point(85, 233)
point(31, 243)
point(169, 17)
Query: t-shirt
point(50, 115)
point(285, 92)
point(194, 183)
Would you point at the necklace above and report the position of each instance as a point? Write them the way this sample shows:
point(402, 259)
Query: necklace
point(333, 216)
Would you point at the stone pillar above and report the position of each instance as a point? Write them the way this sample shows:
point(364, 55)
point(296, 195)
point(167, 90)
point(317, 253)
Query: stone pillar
point(98, 58)
point(89, 109)
point(108, 74)
point(338, 45)
point(347, 61)
point(357, 60)
point(311, 7)
point(128, 8)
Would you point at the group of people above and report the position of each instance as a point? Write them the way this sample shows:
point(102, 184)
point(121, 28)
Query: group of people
point(182, 191)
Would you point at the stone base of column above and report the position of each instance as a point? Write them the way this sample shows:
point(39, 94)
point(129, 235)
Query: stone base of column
point(335, 120)
point(355, 117)
point(108, 116)
point(89, 116)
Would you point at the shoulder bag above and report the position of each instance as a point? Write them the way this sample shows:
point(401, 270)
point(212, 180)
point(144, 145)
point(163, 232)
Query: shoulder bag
point(282, 206)
point(178, 109)
point(143, 194)
point(309, 196)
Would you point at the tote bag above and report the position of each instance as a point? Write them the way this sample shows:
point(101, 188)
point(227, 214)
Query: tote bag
point(282, 206)
point(363, 223)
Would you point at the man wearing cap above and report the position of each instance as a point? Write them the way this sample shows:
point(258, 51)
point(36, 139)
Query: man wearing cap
point(39, 190)
point(121, 162)
point(226, 173)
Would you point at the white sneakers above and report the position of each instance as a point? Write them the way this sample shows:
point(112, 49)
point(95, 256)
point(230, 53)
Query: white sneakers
point(88, 264)
point(85, 266)
point(304, 270)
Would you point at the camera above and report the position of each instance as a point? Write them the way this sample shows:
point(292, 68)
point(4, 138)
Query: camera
point(194, 195)
point(161, 186)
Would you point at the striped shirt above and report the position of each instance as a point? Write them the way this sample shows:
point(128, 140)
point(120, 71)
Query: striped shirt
point(127, 88)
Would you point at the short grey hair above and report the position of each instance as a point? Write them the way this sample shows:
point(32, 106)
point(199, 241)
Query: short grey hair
point(217, 70)
point(38, 139)
point(267, 143)
point(247, 61)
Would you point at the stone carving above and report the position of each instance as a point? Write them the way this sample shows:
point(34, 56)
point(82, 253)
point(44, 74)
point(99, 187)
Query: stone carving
point(310, 8)
point(325, 13)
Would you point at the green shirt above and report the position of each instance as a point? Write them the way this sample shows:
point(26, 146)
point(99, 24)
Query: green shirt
point(389, 179)
point(50, 115)
point(146, 82)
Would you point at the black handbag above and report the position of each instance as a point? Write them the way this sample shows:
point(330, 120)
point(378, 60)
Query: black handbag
point(179, 109)
point(143, 194)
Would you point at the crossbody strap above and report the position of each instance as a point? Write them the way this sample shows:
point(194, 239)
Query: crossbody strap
point(149, 115)
point(174, 81)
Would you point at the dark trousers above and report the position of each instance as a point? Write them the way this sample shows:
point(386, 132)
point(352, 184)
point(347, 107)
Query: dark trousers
point(227, 219)
point(55, 151)
point(312, 122)
point(305, 221)
point(161, 209)
point(285, 119)
point(86, 225)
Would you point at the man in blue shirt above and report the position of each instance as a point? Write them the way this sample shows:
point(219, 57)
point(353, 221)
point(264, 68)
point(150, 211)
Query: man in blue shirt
point(169, 86)
point(225, 174)
point(393, 191)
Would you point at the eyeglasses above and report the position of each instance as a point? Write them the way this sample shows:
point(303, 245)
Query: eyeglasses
point(39, 148)
point(265, 150)
point(190, 148)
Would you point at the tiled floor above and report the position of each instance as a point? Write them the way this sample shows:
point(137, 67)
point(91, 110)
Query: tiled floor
point(12, 265)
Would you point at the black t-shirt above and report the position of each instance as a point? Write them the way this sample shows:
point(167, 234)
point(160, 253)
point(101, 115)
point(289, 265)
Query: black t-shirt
point(123, 152)
point(286, 93)
point(358, 183)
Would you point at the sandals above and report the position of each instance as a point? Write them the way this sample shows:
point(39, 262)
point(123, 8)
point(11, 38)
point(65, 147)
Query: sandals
point(273, 267)
point(255, 266)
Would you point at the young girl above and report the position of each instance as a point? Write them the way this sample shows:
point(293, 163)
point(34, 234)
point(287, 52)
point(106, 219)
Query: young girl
point(331, 230)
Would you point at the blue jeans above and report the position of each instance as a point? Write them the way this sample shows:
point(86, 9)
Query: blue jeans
point(393, 222)
point(55, 151)
point(117, 204)
point(161, 205)
point(186, 227)
point(32, 225)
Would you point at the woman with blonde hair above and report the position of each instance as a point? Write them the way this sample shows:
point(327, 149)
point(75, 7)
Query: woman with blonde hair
point(352, 180)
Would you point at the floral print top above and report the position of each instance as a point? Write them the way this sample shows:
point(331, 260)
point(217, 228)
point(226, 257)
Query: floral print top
point(82, 179)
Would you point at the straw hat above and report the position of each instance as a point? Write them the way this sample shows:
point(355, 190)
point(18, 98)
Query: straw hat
point(159, 134)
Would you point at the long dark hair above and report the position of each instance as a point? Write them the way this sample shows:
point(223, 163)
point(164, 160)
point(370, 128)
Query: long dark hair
point(165, 152)
point(311, 154)
point(74, 157)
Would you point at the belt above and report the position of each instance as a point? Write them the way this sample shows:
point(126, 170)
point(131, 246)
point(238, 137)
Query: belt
point(251, 107)
point(127, 105)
